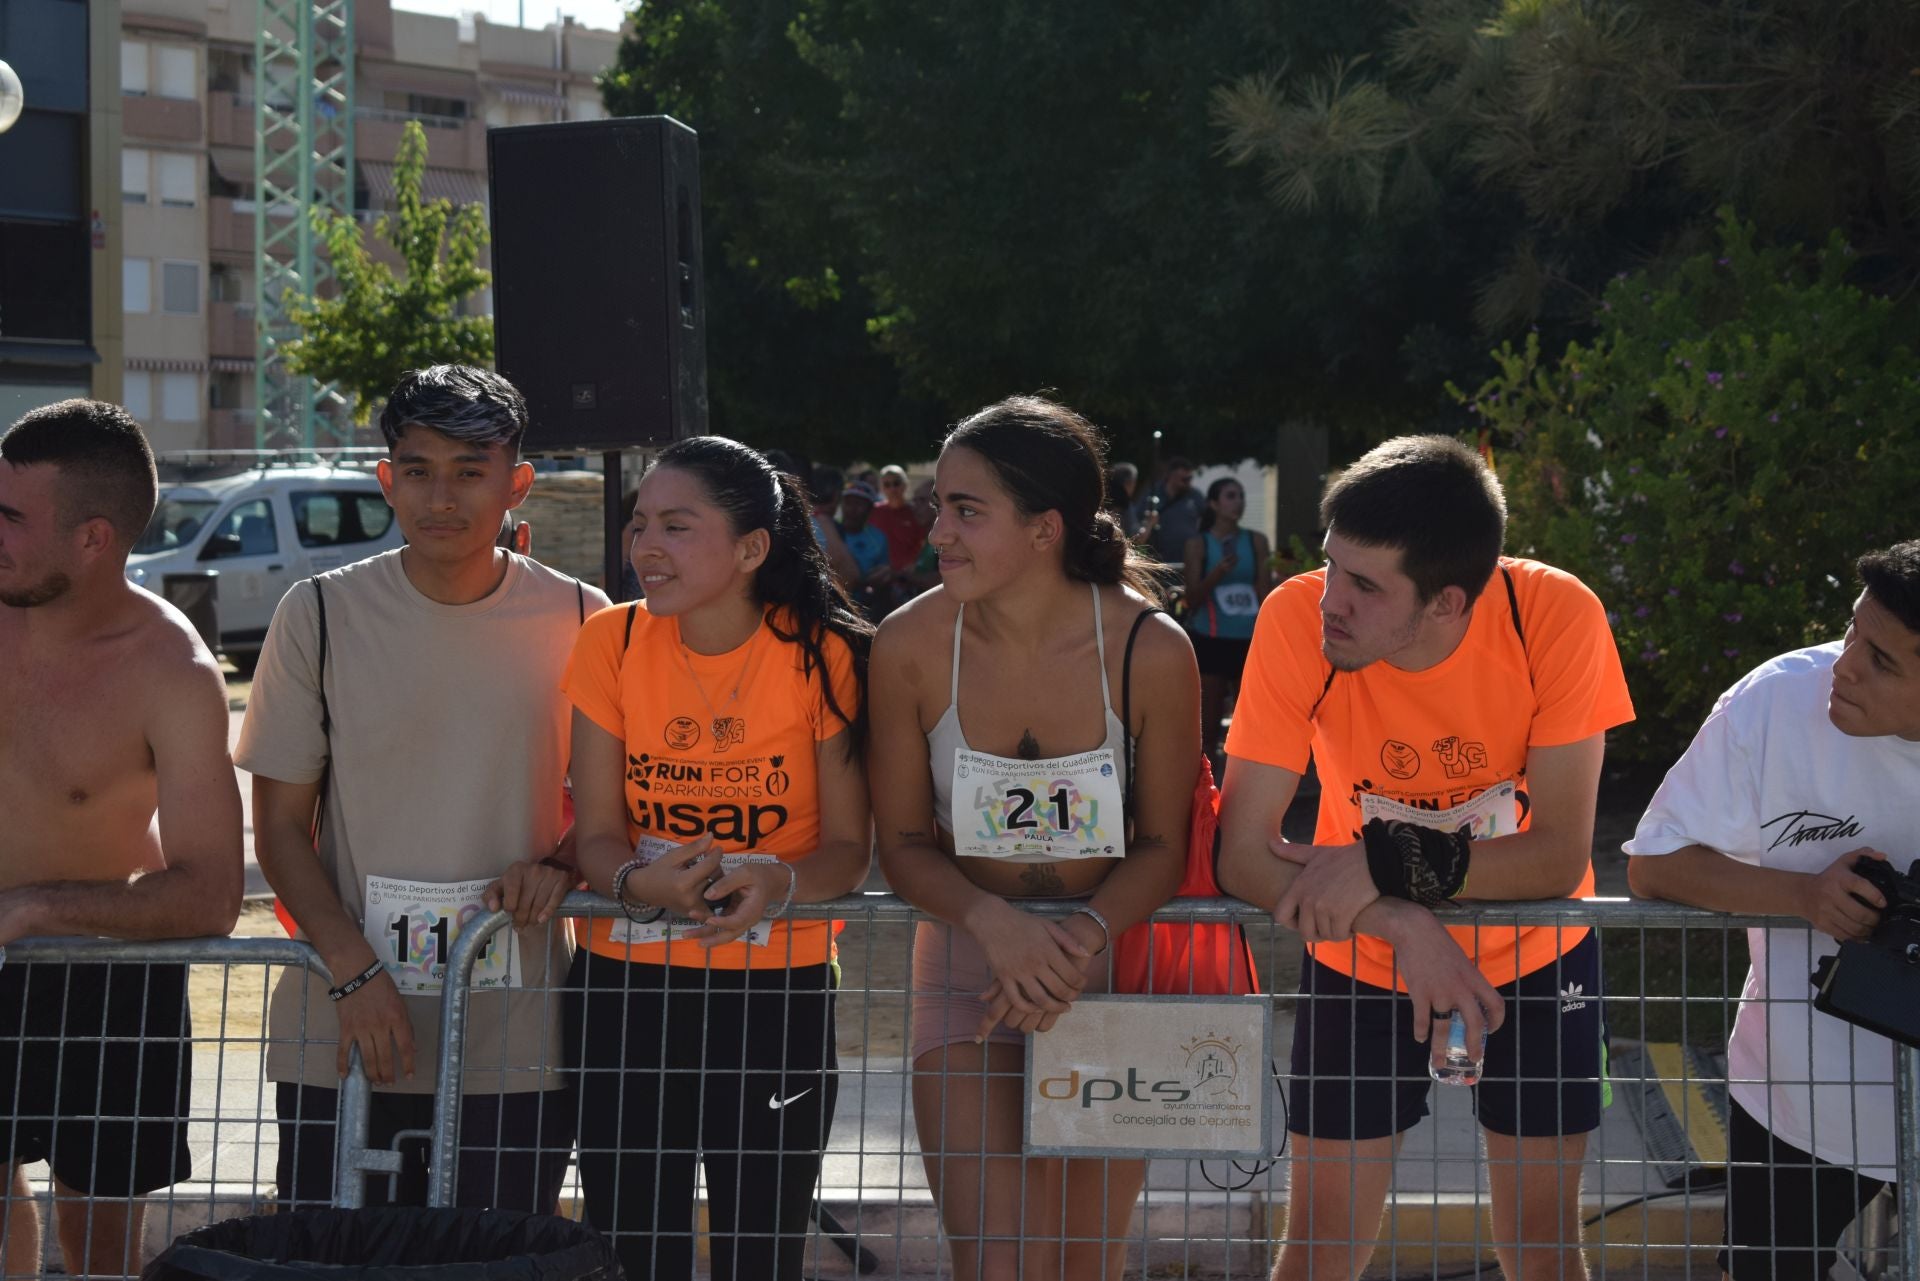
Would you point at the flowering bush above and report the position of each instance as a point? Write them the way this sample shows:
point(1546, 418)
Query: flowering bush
point(1736, 434)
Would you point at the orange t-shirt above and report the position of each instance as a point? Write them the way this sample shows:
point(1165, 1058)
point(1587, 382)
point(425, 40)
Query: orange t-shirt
point(754, 785)
point(1436, 738)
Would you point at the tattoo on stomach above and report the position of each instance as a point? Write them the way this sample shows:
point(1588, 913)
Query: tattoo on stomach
point(1041, 878)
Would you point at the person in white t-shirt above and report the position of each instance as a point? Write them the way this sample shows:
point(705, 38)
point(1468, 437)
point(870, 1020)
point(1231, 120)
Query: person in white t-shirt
point(1808, 764)
point(409, 707)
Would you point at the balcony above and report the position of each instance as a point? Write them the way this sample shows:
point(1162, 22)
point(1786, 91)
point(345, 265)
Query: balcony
point(452, 142)
point(230, 226)
point(230, 329)
point(148, 118)
point(230, 120)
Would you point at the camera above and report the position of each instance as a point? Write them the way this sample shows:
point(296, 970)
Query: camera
point(1876, 984)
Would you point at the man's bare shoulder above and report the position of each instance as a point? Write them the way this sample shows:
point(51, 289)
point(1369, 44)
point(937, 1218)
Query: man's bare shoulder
point(172, 660)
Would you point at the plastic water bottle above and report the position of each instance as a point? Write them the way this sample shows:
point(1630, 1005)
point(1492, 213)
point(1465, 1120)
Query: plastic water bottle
point(1461, 1066)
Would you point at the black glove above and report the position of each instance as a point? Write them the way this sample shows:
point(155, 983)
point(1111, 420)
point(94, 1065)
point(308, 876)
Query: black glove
point(1417, 863)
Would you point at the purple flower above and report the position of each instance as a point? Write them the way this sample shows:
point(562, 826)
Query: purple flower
point(1634, 469)
point(1735, 568)
point(1733, 617)
point(1714, 376)
point(1629, 539)
point(1649, 655)
point(1673, 591)
point(1774, 417)
point(1725, 261)
point(1731, 653)
point(1613, 619)
point(1577, 375)
point(1606, 306)
point(1719, 433)
point(1643, 611)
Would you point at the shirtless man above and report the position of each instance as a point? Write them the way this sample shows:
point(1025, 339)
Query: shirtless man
point(110, 709)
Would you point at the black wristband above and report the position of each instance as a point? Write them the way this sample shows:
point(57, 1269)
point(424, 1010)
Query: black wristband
point(1416, 863)
point(558, 864)
point(353, 985)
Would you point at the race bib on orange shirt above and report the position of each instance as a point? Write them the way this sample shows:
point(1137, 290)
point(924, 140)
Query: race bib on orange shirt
point(672, 924)
point(1495, 812)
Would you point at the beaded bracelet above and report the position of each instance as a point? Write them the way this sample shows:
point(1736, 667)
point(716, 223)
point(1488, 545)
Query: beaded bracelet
point(647, 913)
point(353, 985)
point(793, 883)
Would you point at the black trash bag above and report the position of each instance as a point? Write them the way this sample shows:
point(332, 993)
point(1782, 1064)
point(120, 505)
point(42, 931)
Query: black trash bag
point(394, 1243)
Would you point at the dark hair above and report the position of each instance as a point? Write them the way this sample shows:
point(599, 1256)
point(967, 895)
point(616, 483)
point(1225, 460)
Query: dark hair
point(795, 575)
point(106, 468)
point(1213, 493)
point(1892, 577)
point(824, 484)
point(1433, 499)
point(1179, 462)
point(458, 401)
point(1051, 459)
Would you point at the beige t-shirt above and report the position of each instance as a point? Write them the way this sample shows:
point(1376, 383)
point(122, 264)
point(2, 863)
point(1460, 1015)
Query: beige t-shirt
point(449, 752)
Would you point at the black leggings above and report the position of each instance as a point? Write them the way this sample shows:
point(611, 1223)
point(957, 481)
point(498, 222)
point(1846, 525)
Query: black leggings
point(733, 1068)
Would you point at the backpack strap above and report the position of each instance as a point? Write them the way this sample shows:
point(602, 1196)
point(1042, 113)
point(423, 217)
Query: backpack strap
point(580, 596)
point(626, 642)
point(1126, 701)
point(326, 712)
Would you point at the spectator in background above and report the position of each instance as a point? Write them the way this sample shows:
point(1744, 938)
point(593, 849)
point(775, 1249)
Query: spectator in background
point(629, 588)
point(924, 574)
point(823, 489)
point(896, 519)
point(1122, 480)
point(1170, 515)
point(1227, 577)
point(873, 572)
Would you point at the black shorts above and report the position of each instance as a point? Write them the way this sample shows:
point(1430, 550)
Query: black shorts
point(1785, 1208)
point(1359, 1074)
point(1223, 656)
point(96, 1070)
point(513, 1147)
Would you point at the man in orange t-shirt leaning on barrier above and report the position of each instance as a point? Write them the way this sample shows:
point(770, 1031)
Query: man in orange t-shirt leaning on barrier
point(1456, 703)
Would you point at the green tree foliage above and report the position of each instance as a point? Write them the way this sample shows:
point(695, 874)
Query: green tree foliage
point(1741, 428)
point(914, 209)
point(1603, 133)
point(381, 323)
point(789, 359)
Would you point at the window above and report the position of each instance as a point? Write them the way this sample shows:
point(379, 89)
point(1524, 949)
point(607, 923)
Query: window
point(133, 66)
point(180, 398)
point(175, 523)
point(180, 288)
point(133, 175)
point(332, 518)
point(137, 394)
point(246, 530)
point(175, 74)
point(178, 180)
point(136, 285)
point(426, 104)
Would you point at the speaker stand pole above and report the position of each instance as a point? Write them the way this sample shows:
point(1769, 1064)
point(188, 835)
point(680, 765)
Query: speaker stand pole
point(616, 521)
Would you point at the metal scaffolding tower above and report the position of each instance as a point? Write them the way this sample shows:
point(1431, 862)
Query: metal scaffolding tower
point(303, 57)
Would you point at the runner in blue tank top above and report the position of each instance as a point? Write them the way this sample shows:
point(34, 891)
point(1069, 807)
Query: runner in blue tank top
point(1227, 576)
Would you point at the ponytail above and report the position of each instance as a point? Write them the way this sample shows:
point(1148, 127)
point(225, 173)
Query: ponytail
point(794, 583)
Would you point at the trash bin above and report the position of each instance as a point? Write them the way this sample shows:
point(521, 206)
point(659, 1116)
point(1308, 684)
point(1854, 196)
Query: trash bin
point(196, 593)
point(392, 1243)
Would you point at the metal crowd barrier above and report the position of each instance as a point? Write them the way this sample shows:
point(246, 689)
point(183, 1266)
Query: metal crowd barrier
point(1650, 1198)
point(227, 1111)
point(1652, 1172)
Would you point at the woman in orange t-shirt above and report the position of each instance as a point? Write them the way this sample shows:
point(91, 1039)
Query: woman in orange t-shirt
point(717, 734)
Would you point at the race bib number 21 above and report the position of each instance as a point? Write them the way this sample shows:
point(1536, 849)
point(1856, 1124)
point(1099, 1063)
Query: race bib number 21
point(413, 925)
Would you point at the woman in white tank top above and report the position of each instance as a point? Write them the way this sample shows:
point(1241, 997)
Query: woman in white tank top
point(998, 774)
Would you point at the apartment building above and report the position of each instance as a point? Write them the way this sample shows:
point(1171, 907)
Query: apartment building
point(187, 172)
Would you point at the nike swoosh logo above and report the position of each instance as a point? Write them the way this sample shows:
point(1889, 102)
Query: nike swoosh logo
point(775, 1102)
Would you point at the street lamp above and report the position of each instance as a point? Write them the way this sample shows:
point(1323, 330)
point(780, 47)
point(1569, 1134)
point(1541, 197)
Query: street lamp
point(12, 97)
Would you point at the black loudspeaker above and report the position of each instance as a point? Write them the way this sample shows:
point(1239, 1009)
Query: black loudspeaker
point(599, 317)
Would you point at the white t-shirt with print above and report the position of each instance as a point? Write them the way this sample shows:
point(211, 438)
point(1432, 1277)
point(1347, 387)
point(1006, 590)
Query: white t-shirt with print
point(1768, 780)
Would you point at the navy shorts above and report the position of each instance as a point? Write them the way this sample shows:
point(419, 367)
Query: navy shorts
point(1359, 1074)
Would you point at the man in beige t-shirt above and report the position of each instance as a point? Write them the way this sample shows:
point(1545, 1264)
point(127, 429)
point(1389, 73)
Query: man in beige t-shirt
point(430, 733)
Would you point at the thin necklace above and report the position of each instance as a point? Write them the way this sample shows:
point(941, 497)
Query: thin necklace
point(721, 738)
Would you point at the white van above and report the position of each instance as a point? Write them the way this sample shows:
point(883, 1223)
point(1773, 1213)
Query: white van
point(261, 532)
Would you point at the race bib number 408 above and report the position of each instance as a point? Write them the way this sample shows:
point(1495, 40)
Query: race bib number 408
point(413, 925)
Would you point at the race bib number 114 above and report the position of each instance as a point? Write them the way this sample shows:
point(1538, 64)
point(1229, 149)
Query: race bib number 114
point(413, 925)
